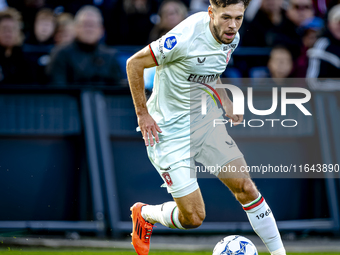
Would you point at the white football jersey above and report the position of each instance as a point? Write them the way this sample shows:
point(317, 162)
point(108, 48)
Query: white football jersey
point(187, 57)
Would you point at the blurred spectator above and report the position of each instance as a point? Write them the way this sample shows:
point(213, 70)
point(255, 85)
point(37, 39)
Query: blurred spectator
point(171, 13)
point(85, 61)
point(280, 63)
point(287, 34)
point(130, 22)
point(324, 57)
point(251, 10)
point(332, 4)
point(12, 62)
point(199, 5)
point(72, 6)
point(299, 11)
point(268, 17)
point(39, 44)
point(65, 32)
point(44, 27)
point(321, 7)
point(309, 31)
point(28, 10)
point(279, 67)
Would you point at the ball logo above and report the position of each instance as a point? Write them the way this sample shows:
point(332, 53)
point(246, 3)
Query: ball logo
point(170, 42)
point(241, 251)
point(235, 245)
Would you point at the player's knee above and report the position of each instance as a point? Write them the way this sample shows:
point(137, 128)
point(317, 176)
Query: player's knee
point(249, 188)
point(200, 217)
point(194, 220)
point(245, 190)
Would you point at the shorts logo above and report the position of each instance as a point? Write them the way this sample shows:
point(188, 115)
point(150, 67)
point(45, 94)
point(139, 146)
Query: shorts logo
point(170, 42)
point(167, 178)
point(231, 143)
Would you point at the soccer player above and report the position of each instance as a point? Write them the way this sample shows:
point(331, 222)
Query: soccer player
point(197, 52)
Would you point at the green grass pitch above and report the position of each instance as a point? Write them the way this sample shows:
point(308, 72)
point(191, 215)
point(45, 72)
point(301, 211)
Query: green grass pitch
point(30, 251)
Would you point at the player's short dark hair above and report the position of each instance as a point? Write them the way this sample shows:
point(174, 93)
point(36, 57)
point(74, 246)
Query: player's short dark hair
point(224, 3)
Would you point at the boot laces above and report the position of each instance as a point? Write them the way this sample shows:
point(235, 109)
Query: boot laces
point(148, 231)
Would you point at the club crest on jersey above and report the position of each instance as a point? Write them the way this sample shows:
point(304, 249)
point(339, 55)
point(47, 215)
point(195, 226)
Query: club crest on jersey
point(170, 42)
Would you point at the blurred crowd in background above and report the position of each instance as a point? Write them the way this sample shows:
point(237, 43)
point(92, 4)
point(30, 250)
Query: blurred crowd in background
point(79, 42)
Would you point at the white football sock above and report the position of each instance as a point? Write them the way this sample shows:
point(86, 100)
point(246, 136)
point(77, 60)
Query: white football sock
point(280, 251)
point(263, 222)
point(166, 214)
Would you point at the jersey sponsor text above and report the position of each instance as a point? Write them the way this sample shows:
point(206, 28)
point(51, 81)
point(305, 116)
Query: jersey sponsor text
point(203, 78)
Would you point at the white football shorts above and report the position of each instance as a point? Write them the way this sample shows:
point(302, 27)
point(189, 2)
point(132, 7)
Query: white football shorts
point(174, 158)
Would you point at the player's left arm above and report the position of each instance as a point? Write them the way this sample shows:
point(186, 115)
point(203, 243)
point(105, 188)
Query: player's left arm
point(228, 105)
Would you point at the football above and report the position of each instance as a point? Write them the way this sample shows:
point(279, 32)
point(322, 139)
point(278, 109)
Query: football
point(235, 245)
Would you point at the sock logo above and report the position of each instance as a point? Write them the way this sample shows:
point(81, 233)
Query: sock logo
point(262, 215)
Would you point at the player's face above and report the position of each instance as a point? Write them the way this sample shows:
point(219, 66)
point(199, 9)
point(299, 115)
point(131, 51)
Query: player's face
point(226, 21)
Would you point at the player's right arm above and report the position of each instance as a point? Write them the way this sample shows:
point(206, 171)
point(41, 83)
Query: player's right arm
point(135, 69)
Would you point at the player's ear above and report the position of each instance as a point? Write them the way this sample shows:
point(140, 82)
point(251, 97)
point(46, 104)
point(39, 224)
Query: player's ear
point(210, 12)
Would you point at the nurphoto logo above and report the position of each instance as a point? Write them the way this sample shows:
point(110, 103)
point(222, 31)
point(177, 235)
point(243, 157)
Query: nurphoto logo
point(239, 104)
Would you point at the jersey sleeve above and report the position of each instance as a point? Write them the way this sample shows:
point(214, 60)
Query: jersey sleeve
point(169, 48)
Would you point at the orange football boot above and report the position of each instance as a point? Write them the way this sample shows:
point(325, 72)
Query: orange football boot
point(141, 230)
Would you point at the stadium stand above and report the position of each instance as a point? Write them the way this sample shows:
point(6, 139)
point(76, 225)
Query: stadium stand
point(71, 159)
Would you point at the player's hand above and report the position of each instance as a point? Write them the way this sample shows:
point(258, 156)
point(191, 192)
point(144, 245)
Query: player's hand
point(149, 128)
point(236, 118)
